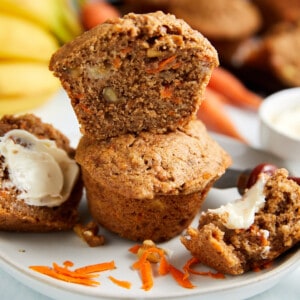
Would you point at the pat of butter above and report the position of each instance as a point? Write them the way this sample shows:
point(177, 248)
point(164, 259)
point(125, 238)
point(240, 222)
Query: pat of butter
point(240, 214)
point(42, 173)
point(288, 121)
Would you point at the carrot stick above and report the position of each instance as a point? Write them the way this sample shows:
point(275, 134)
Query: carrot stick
point(231, 87)
point(96, 268)
point(213, 115)
point(180, 278)
point(121, 283)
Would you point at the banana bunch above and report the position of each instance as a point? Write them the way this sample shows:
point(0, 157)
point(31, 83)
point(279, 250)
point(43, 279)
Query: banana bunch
point(30, 32)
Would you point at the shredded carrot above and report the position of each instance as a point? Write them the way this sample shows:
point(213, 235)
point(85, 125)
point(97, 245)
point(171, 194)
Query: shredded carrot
point(264, 266)
point(232, 88)
point(163, 266)
point(121, 283)
point(67, 272)
point(117, 62)
point(162, 65)
point(188, 270)
point(68, 263)
point(68, 278)
point(146, 275)
point(134, 249)
point(80, 275)
point(96, 268)
point(180, 277)
point(166, 92)
point(126, 50)
point(212, 113)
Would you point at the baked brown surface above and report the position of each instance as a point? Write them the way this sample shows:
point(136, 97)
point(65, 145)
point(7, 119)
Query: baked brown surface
point(145, 165)
point(219, 19)
point(158, 219)
point(141, 72)
point(150, 186)
point(276, 228)
point(15, 214)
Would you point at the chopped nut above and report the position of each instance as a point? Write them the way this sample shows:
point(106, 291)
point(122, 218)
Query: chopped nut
point(152, 257)
point(151, 52)
point(89, 233)
point(110, 95)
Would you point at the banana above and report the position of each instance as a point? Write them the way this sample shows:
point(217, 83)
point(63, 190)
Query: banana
point(56, 16)
point(22, 103)
point(20, 79)
point(21, 39)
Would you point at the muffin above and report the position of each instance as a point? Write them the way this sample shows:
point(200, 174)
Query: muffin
point(219, 19)
point(40, 187)
point(142, 72)
point(233, 242)
point(150, 186)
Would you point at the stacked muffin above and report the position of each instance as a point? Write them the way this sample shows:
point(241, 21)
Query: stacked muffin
point(135, 84)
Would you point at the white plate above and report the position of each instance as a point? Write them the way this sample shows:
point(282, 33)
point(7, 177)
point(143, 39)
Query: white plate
point(18, 251)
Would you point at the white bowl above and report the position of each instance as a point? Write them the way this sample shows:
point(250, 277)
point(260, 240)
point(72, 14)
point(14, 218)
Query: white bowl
point(280, 124)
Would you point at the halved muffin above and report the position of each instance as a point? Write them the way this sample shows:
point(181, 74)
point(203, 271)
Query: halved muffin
point(40, 186)
point(142, 72)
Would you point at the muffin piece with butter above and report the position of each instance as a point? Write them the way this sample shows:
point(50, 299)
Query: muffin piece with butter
point(142, 72)
point(150, 186)
point(40, 186)
point(251, 232)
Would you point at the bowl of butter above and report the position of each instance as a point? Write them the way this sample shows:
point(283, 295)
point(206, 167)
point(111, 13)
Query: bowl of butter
point(279, 116)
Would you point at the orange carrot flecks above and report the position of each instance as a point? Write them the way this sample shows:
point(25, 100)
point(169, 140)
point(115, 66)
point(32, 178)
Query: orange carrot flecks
point(162, 65)
point(232, 88)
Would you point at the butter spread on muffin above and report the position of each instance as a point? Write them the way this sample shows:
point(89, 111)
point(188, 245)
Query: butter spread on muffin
point(40, 183)
point(270, 225)
point(42, 173)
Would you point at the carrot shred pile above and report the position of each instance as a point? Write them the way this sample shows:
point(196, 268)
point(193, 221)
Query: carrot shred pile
point(84, 275)
point(145, 263)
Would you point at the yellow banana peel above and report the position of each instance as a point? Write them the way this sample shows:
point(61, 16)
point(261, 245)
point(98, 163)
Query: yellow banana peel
point(19, 79)
point(22, 104)
point(21, 39)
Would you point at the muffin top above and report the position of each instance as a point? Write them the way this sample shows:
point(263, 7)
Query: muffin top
point(145, 165)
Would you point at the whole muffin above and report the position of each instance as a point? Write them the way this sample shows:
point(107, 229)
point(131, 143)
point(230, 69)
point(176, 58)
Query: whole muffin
point(150, 186)
point(40, 186)
point(142, 72)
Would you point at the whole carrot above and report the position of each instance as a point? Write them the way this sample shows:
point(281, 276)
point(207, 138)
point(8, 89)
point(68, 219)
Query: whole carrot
point(232, 88)
point(94, 13)
point(213, 115)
